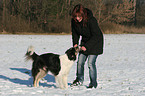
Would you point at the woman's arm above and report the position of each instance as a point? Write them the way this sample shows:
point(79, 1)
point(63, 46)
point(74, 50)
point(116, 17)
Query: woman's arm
point(75, 35)
point(96, 33)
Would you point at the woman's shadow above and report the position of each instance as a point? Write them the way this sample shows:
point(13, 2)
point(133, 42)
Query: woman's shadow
point(29, 82)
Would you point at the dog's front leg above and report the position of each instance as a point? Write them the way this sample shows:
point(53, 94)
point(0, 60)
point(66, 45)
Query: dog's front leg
point(58, 80)
point(65, 81)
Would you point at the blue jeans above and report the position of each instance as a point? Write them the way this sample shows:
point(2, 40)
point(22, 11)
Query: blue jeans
point(92, 68)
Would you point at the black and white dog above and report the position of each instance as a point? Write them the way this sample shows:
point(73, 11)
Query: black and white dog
point(58, 65)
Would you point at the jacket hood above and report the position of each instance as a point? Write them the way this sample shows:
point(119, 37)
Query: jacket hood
point(89, 13)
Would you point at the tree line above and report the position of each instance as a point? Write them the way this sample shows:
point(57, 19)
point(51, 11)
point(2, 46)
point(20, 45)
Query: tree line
point(55, 15)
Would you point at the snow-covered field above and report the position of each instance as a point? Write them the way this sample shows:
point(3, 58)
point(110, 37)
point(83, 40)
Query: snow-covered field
point(121, 69)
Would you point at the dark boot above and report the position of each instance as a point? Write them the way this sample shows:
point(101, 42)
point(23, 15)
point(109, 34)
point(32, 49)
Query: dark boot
point(91, 86)
point(76, 83)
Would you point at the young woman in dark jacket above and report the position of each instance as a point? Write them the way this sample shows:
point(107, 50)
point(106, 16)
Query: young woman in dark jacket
point(85, 25)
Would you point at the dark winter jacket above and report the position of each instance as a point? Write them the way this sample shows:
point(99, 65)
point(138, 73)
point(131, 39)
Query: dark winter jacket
point(92, 37)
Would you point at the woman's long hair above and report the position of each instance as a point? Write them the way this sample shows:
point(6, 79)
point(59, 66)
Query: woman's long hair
point(79, 10)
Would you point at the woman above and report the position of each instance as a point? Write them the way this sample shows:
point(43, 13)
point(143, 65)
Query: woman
point(84, 24)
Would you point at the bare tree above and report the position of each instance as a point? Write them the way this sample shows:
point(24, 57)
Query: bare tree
point(99, 10)
point(123, 12)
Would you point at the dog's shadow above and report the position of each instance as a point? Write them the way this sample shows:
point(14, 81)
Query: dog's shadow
point(48, 78)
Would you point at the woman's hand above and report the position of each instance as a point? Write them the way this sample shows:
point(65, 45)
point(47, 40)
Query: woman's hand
point(83, 48)
point(75, 45)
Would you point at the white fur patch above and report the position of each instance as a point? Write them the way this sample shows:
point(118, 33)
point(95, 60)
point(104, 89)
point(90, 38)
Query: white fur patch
point(61, 78)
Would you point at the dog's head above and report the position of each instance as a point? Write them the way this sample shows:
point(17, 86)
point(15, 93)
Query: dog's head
point(72, 53)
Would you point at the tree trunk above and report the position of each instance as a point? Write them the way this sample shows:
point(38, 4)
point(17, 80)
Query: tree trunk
point(29, 15)
point(4, 15)
point(136, 8)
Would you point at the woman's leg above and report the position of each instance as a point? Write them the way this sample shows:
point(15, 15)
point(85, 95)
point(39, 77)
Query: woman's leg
point(80, 70)
point(92, 70)
point(80, 67)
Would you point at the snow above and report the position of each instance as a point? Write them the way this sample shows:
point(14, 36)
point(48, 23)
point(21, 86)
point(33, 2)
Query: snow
point(121, 69)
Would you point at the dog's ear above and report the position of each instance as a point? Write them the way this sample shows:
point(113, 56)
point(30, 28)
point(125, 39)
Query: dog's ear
point(71, 53)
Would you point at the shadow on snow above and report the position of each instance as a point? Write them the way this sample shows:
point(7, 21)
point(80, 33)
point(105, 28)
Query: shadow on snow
point(29, 82)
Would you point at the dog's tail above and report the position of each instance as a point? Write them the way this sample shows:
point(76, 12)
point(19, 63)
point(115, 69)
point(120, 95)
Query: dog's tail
point(30, 54)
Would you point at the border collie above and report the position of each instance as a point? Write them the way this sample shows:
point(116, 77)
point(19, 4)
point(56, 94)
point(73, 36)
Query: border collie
point(58, 65)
